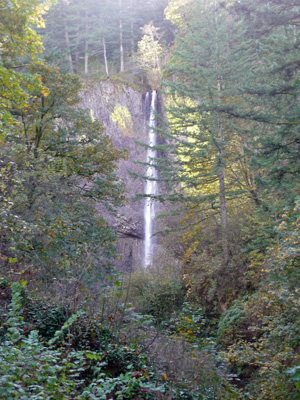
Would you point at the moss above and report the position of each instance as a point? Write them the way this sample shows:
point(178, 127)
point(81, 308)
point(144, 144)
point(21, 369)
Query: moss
point(122, 118)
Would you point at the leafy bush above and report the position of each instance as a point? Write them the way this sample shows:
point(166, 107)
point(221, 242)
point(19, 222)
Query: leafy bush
point(265, 355)
point(46, 316)
point(294, 373)
point(189, 324)
point(156, 292)
point(230, 323)
point(31, 368)
point(125, 386)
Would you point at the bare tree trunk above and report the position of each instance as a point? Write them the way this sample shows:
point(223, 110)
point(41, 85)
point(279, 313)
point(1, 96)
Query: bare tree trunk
point(86, 46)
point(121, 38)
point(222, 195)
point(67, 38)
point(105, 56)
point(131, 30)
point(77, 41)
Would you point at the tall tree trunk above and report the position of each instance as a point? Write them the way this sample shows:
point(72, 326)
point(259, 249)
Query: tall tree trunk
point(222, 190)
point(86, 46)
point(222, 194)
point(77, 41)
point(105, 56)
point(121, 38)
point(67, 37)
point(131, 30)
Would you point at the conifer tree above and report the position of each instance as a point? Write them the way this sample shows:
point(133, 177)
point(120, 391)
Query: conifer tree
point(271, 96)
point(203, 88)
point(79, 33)
point(235, 79)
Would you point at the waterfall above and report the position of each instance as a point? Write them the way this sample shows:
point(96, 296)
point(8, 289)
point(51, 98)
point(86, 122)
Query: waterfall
point(151, 173)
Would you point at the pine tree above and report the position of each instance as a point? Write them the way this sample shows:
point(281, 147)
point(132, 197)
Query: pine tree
point(79, 33)
point(272, 94)
point(203, 89)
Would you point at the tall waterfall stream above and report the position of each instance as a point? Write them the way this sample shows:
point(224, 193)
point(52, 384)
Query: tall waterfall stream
point(151, 174)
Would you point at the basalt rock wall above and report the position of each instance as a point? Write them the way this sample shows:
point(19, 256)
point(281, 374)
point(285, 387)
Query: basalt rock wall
point(120, 108)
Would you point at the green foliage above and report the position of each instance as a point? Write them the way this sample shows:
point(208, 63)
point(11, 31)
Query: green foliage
point(272, 91)
point(157, 292)
point(124, 386)
point(264, 333)
point(45, 316)
point(55, 163)
point(15, 320)
point(33, 369)
point(189, 360)
point(230, 323)
point(189, 323)
point(178, 11)
point(207, 169)
point(294, 373)
point(65, 326)
point(233, 109)
point(235, 65)
point(28, 368)
point(19, 44)
point(55, 166)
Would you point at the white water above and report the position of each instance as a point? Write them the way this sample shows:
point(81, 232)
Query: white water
point(151, 185)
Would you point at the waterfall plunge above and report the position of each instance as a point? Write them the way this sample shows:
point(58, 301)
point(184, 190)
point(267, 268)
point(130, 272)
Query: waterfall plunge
point(151, 173)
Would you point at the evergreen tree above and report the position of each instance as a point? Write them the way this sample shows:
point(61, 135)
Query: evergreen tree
point(79, 33)
point(234, 115)
point(272, 94)
point(203, 89)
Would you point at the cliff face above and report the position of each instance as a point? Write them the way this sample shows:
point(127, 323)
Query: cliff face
point(120, 108)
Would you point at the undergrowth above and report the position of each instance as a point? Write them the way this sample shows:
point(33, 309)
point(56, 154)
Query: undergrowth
point(45, 353)
point(32, 367)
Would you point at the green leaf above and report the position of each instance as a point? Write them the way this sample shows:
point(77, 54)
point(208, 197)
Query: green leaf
point(93, 356)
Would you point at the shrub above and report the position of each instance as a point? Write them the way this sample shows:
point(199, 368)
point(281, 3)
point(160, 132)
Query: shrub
point(31, 368)
point(156, 292)
point(230, 324)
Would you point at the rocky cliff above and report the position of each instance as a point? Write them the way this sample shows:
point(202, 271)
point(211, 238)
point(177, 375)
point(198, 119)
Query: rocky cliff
point(120, 108)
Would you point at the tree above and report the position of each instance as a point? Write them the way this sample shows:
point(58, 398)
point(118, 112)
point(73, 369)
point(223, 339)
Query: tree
point(63, 163)
point(203, 89)
point(251, 110)
point(20, 44)
point(80, 32)
point(271, 97)
point(149, 48)
point(66, 35)
point(179, 12)
point(150, 53)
